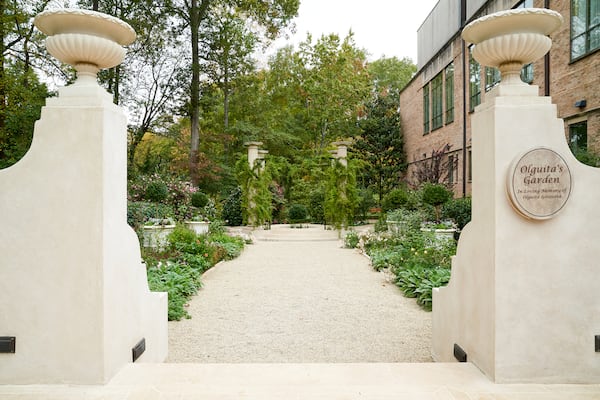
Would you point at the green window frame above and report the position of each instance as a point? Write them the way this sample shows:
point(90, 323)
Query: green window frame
point(492, 78)
point(585, 27)
point(451, 169)
point(426, 109)
point(449, 86)
point(437, 101)
point(474, 81)
point(527, 73)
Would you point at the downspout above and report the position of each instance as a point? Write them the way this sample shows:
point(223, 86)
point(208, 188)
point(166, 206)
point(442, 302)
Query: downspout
point(463, 19)
point(547, 63)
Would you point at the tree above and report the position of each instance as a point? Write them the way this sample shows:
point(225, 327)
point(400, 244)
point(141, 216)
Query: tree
point(336, 86)
point(271, 15)
point(228, 44)
point(381, 145)
point(21, 93)
point(391, 75)
point(154, 29)
point(24, 97)
point(152, 93)
point(434, 169)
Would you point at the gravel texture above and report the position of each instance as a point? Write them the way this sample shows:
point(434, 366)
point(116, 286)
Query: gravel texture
point(298, 296)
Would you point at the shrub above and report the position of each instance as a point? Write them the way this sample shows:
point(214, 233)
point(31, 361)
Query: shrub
point(297, 213)
point(199, 199)
point(365, 202)
point(139, 212)
point(458, 210)
point(180, 280)
point(419, 261)
point(436, 194)
point(395, 199)
point(351, 240)
point(182, 263)
point(381, 224)
point(231, 246)
point(232, 208)
point(407, 220)
point(317, 199)
point(156, 191)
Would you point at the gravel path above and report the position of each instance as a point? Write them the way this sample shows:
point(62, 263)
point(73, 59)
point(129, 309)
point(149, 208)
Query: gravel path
point(296, 295)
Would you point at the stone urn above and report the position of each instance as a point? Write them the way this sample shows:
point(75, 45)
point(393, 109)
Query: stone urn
point(87, 40)
point(510, 39)
point(199, 227)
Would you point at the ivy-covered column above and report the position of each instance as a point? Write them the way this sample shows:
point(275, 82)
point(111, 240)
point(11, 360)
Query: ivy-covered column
point(255, 180)
point(341, 196)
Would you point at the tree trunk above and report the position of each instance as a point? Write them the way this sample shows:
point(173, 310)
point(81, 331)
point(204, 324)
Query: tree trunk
point(194, 14)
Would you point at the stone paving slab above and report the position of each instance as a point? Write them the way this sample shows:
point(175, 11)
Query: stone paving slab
point(377, 381)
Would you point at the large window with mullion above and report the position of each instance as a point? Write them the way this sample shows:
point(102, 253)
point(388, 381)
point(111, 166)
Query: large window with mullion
point(449, 86)
point(426, 109)
point(437, 101)
point(585, 27)
point(474, 81)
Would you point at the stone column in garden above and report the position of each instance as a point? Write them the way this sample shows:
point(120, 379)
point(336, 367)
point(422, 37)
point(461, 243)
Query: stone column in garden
point(341, 152)
point(74, 295)
point(522, 303)
point(255, 156)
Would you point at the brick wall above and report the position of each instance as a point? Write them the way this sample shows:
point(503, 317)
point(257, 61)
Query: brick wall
point(569, 82)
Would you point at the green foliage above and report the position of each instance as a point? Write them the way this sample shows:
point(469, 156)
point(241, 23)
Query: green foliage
point(297, 213)
point(256, 193)
point(418, 282)
point(336, 85)
point(316, 202)
point(177, 270)
point(351, 240)
point(24, 97)
point(587, 157)
point(231, 246)
point(380, 145)
point(435, 194)
point(391, 75)
point(395, 199)
point(381, 224)
point(366, 201)
point(180, 280)
point(140, 212)
point(156, 191)
point(406, 220)
point(232, 208)
point(419, 260)
point(199, 199)
point(341, 196)
point(458, 210)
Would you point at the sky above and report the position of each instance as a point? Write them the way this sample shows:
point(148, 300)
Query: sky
point(382, 27)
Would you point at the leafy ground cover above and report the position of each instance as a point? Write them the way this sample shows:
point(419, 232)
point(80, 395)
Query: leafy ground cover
point(178, 268)
point(418, 259)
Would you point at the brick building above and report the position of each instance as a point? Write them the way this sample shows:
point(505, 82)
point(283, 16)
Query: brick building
point(436, 104)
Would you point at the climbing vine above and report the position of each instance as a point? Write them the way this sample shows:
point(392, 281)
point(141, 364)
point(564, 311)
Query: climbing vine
point(256, 196)
point(341, 196)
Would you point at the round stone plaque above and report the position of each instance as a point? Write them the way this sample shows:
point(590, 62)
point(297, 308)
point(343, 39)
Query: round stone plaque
point(539, 183)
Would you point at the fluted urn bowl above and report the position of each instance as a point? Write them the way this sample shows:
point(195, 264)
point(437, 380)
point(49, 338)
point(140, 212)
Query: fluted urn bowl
point(510, 39)
point(87, 40)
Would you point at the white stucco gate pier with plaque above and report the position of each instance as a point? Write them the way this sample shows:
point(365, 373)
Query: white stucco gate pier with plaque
point(523, 302)
point(74, 300)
